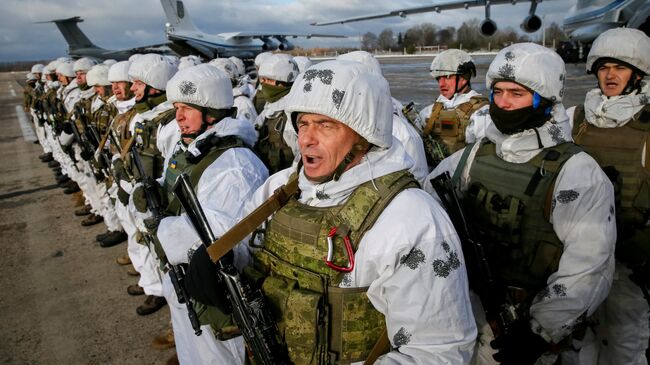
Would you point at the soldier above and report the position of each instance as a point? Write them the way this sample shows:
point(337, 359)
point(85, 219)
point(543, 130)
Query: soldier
point(402, 130)
point(245, 85)
point(154, 135)
point(258, 97)
point(396, 266)
point(214, 150)
point(613, 125)
point(104, 110)
point(84, 149)
point(543, 209)
point(67, 95)
point(448, 118)
point(244, 105)
point(188, 61)
point(118, 76)
point(276, 144)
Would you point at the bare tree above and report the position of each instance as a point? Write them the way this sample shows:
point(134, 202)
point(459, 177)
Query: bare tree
point(386, 40)
point(554, 32)
point(445, 36)
point(369, 41)
point(468, 34)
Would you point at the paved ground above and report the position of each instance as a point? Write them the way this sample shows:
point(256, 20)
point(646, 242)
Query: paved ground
point(63, 297)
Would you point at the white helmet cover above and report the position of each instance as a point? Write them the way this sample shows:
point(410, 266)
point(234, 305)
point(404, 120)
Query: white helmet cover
point(279, 67)
point(241, 68)
point(37, 68)
point(226, 66)
point(348, 92)
point(452, 62)
point(302, 62)
point(83, 64)
point(119, 72)
point(172, 59)
point(134, 57)
point(109, 62)
point(531, 65)
point(261, 58)
point(365, 58)
point(203, 85)
point(31, 77)
point(183, 64)
point(152, 69)
point(98, 76)
point(65, 69)
point(629, 45)
point(51, 67)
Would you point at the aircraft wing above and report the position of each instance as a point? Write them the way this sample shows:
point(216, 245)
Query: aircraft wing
point(262, 35)
point(437, 7)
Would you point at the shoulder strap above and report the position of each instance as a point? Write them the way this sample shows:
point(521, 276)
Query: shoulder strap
point(474, 103)
point(368, 201)
point(579, 123)
point(551, 161)
point(435, 112)
point(641, 120)
point(455, 180)
point(239, 231)
point(165, 117)
point(223, 144)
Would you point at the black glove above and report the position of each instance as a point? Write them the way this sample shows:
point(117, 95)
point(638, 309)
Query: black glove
point(202, 281)
point(67, 127)
point(86, 155)
point(520, 346)
point(119, 171)
point(139, 199)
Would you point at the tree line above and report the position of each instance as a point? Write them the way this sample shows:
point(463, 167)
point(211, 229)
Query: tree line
point(468, 36)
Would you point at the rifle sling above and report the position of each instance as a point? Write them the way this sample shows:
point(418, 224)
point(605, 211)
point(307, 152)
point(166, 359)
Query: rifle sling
point(381, 347)
point(247, 225)
point(126, 149)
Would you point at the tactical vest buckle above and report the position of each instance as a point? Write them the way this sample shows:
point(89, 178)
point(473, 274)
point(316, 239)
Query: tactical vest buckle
point(330, 252)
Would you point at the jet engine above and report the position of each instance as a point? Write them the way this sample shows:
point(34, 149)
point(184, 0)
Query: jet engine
point(531, 24)
point(285, 45)
point(269, 45)
point(488, 27)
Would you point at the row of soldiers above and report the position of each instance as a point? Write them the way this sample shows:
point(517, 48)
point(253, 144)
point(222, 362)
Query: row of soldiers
point(343, 203)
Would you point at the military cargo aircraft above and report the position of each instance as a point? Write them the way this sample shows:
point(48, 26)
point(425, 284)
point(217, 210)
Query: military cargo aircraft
point(184, 37)
point(530, 24)
point(80, 46)
point(589, 18)
point(187, 39)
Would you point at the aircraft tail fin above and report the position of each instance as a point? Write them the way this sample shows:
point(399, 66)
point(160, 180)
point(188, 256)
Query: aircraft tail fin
point(177, 15)
point(73, 35)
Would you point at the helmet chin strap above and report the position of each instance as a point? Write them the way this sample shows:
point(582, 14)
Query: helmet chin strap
point(633, 84)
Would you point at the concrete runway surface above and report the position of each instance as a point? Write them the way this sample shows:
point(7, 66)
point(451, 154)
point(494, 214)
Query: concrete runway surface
point(64, 298)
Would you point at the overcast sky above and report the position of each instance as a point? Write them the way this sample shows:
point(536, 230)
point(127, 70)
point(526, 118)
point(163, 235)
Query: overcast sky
point(119, 24)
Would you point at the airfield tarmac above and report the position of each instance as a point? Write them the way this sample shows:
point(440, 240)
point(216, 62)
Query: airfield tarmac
point(63, 297)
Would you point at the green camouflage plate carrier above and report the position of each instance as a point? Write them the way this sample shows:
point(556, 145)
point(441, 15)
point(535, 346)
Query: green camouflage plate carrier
point(322, 323)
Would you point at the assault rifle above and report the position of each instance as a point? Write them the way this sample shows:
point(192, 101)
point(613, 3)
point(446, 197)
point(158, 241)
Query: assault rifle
point(176, 273)
point(500, 316)
point(249, 309)
point(435, 149)
point(102, 156)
